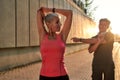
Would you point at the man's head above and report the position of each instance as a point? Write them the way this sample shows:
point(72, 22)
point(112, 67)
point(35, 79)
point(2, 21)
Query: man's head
point(104, 24)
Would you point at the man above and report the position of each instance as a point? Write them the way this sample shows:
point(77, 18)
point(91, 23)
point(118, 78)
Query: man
point(102, 46)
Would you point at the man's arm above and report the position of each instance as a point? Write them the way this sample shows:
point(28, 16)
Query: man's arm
point(89, 40)
point(93, 47)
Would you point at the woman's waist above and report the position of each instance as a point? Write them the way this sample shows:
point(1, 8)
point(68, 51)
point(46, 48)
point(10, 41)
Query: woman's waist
point(53, 70)
point(54, 63)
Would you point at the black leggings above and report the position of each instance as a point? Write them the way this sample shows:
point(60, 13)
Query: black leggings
point(66, 77)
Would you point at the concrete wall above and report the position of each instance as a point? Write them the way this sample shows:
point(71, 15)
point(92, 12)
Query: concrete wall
point(19, 41)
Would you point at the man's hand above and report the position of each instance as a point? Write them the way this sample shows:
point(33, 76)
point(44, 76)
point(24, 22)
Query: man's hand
point(75, 39)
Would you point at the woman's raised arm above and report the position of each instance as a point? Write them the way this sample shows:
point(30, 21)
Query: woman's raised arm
point(40, 23)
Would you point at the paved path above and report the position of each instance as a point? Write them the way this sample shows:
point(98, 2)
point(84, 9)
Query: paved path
point(78, 66)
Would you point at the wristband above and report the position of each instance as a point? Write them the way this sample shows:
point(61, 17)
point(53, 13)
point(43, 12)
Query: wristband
point(80, 39)
point(53, 10)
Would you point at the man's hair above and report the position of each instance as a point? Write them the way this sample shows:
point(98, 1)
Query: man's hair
point(106, 20)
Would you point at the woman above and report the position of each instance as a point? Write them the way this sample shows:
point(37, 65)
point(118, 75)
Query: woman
point(52, 44)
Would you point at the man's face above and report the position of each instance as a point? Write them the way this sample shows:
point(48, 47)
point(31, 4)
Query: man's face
point(103, 26)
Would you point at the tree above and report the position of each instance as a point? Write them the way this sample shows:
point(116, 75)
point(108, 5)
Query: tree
point(86, 6)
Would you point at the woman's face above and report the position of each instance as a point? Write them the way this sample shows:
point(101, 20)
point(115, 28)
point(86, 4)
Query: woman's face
point(55, 24)
point(103, 26)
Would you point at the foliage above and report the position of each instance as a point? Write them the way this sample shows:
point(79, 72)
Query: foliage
point(86, 6)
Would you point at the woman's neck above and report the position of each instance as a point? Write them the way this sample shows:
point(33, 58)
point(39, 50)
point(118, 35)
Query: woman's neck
point(52, 35)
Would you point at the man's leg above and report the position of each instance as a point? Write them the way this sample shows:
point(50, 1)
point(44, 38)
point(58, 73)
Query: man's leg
point(109, 74)
point(96, 73)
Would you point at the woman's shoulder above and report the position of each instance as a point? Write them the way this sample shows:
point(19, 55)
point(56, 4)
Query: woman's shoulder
point(43, 37)
point(61, 37)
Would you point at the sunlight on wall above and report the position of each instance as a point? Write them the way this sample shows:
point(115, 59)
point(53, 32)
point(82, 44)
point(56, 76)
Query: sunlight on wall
point(115, 26)
point(91, 31)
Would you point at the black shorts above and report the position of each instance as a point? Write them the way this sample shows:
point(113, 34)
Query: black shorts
point(66, 77)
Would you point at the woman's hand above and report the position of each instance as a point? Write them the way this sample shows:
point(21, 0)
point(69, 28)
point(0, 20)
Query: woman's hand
point(41, 11)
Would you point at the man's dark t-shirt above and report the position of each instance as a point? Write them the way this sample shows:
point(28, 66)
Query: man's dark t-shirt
point(103, 54)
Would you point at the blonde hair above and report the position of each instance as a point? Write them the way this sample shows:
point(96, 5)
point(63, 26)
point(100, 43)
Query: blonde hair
point(50, 16)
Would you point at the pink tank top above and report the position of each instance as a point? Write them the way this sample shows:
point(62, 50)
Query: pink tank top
point(52, 53)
